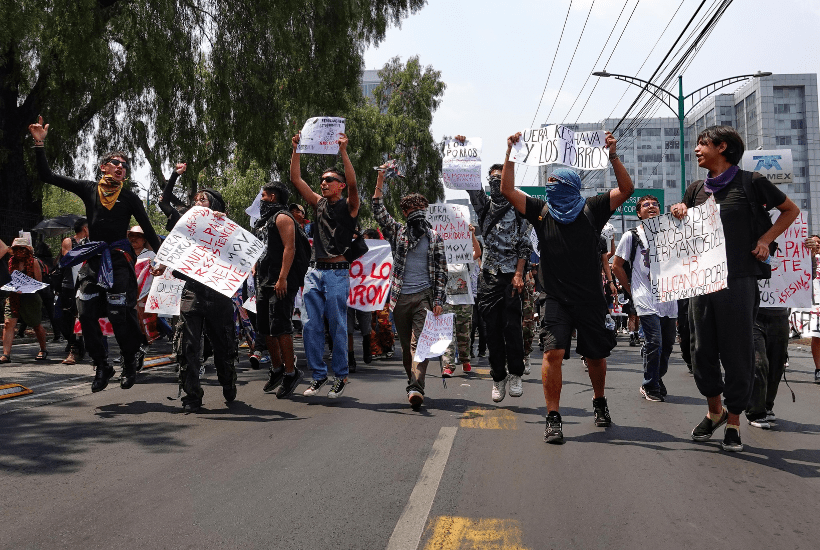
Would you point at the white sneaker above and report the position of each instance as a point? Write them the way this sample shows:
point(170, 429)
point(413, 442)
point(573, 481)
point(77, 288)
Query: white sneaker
point(500, 390)
point(760, 423)
point(516, 387)
point(770, 416)
point(526, 366)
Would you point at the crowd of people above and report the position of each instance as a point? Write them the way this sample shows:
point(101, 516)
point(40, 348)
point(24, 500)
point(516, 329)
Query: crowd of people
point(735, 350)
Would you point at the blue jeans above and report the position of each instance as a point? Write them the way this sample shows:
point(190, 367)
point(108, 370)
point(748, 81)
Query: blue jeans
point(659, 334)
point(325, 295)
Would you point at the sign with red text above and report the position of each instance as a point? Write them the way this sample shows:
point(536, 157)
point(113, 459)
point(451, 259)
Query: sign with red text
point(370, 277)
point(320, 135)
point(250, 304)
point(211, 249)
point(452, 223)
point(165, 295)
point(461, 164)
point(806, 321)
point(791, 282)
point(687, 257)
point(556, 144)
point(435, 336)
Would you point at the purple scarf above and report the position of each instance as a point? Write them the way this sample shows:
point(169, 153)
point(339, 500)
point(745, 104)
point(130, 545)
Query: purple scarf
point(715, 184)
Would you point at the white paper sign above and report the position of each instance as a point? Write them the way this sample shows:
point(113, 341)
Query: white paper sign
point(452, 223)
point(435, 336)
point(250, 304)
point(791, 282)
point(776, 164)
point(20, 282)
point(320, 135)
point(253, 211)
point(687, 257)
point(165, 295)
point(556, 144)
point(370, 277)
point(461, 165)
point(806, 321)
point(211, 249)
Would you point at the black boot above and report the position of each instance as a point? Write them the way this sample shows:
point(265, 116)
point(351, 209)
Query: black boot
point(102, 376)
point(368, 356)
point(229, 393)
point(351, 362)
point(129, 372)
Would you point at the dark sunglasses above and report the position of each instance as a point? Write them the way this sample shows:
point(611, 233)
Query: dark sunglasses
point(117, 162)
point(647, 204)
point(330, 178)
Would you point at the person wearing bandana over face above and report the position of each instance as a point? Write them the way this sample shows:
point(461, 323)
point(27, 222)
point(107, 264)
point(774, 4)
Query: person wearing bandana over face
point(106, 284)
point(569, 229)
point(507, 249)
point(419, 279)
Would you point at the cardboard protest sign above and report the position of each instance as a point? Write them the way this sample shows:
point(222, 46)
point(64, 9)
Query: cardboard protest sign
point(555, 144)
point(687, 257)
point(461, 166)
point(435, 336)
point(806, 321)
point(20, 282)
point(320, 135)
point(370, 277)
point(452, 223)
point(791, 282)
point(211, 249)
point(165, 295)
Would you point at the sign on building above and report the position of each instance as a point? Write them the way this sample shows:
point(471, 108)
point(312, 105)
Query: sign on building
point(776, 164)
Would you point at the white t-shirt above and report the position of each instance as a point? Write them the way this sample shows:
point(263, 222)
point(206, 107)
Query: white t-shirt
point(645, 301)
point(459, 288)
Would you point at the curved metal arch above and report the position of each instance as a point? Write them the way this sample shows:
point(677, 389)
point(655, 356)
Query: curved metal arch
point(653, 89)
point(718, 84)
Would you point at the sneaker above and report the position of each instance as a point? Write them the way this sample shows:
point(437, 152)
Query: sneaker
point(314, 387)
point(663, 388)
point(706, 428)
point(229, 393)
point(447, 372)
point(731, 441)
point(415, 398)
point(466, 367)
point(337, 389)
point(601, 411)
point(770, 416)
point(553, 433)
point(388, 354)
point(689, 366)
point(761, 423)
point(516, 387)
point(254, 359)
point(265, 359)
point(499, 390)
point(274, 380)
point(526, 365)
point(651, 395)
point(289, 383)
point(482, 354)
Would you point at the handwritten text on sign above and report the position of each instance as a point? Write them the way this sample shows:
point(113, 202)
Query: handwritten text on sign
point(791, 282)
point(687, 257)
point(555, 144)
point(452, 223)
point(320, 135)
point(461, 166)
point(165, 294)
point(370, 277)
point(211, 249)
point(435, 336)
point(20, 282)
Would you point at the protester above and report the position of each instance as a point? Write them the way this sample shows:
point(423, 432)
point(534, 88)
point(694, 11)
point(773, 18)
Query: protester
point(381, 334)
point(107, 285)
point(136, 236)
point(460, 301)
point(528, 310)
point(507, 248)
point(68, 293)
point(657, 318)
point(684, 333)
point(26, 307)
point(477, 320)
point(277, 282)
point(813, 244)
point(298, 213)
point(418, 281)
point(364, 320)
point(722, 323)
point(568, 229)
point(771, 338)
point(327, 284)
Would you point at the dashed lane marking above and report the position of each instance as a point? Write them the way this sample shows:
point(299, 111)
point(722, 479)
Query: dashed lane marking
point(457, 533)
point(489, 419)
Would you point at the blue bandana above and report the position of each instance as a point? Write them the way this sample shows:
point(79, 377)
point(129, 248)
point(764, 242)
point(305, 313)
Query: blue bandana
point(564, 196)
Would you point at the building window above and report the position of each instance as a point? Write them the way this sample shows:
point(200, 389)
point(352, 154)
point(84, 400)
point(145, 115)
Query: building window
point(671, 184)
point(670, 132)
point(649, 132)
point(782, 108)
point(797, 124)
point(784, 140)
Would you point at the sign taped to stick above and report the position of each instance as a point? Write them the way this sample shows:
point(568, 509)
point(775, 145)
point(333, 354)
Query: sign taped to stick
point(165, 295)
point(435, 336)
point(791, 282)
point(370, 277)
point(452, 223)
point(556, 144)
point(320, 135)
point(461, 166)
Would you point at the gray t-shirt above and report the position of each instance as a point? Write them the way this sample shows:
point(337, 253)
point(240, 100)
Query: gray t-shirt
point(416, 272)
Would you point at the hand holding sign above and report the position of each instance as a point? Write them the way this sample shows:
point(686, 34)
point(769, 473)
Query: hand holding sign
point(321, 136)
point(461, 165)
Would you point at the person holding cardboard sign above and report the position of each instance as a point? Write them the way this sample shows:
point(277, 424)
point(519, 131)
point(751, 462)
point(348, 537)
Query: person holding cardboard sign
point(568, 228)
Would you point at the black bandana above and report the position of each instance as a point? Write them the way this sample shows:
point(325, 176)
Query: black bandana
point(417, 226)
point(495, 190)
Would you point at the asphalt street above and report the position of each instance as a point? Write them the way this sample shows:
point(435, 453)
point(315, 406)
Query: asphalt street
point(128, 469)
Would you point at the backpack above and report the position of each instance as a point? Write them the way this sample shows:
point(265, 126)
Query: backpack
point(632, 251)
point(301, 251)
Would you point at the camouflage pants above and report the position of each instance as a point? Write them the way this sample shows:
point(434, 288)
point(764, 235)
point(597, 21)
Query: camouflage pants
point(528, 309)
point(461, 333)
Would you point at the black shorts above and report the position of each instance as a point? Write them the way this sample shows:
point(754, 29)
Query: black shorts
point(595, 341)
point(273, 314)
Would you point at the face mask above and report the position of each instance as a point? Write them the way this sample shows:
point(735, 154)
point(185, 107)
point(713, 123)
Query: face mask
point(495, 188)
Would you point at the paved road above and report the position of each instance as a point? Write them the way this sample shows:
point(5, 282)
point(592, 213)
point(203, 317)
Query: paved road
point(126, 469)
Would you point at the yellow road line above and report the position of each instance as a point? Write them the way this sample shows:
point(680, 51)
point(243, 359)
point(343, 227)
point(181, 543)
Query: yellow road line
point(457, 533)
point(489, 419)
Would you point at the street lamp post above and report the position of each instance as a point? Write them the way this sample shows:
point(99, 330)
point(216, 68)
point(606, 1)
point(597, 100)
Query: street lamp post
point(669, 99)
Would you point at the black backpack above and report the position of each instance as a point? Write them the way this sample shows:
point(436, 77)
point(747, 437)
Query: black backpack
point(301, 252)
point(632, 251)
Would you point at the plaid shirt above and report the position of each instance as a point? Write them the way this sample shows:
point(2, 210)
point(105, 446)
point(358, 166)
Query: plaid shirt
point(436, 259)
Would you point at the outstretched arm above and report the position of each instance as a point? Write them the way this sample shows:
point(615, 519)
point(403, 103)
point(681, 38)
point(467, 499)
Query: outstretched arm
point(517, 198)
point(167, 199)
point(39, 133)
point(353, 201)
point(301, 186)
point(625, 186)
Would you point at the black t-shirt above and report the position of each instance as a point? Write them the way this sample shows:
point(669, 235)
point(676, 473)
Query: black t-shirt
point(333, 228)
point(270, 264)
point(738, 218)
point(570, 267)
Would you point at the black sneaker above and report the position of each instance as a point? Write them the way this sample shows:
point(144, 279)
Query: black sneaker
point(599, 407)
point(229, 393)
point(275, 379)
point(191, 406)
point(337, 389)
point(634, 340)
point(663, 388)
point(553, 432)
point(731, 441)
point(706, 428)
point(351, 362)
point(289, 383)
point(650, 395)
point(314, 387)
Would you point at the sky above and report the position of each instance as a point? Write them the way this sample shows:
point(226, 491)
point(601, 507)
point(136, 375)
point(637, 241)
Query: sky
point(495, 58)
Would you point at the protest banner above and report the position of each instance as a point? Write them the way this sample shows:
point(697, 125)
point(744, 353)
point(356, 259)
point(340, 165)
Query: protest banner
point(556, 144)
point(370, 277)
point(211, 249)
point(320, 135)
point(22, 283)
point(776, 165)
point(165, 295)
point(452, 223)
point(461, 165)
point(791, 282)
point(687, 257)
point(435, 336)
